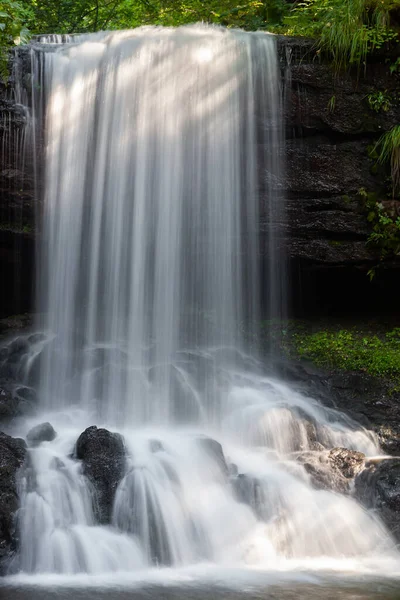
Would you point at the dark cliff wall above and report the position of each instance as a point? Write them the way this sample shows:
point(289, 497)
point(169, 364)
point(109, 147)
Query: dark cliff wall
point(17, 204)
point(329, 127)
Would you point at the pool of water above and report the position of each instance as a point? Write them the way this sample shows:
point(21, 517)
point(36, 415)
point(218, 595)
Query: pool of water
point(236, 585)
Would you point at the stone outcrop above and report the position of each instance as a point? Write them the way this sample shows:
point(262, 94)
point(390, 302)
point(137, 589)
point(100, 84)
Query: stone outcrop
point(330, 127)
point(378, 488)
point(368, 400)
point(12, 457)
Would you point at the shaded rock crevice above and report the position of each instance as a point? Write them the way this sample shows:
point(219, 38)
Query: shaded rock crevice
point(12, 457)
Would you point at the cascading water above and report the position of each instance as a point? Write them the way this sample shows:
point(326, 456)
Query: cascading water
point(150, 266)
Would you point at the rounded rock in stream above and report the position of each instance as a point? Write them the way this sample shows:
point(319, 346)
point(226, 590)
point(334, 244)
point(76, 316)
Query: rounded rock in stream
point(12, 457)
point(104, 463)
point(44, 432)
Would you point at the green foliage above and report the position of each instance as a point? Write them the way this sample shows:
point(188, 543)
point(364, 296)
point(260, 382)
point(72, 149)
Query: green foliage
point(346, 29)
point(385, 236)
point(13, 16)
point(388, 149)
point(352, 350)
point(379, 101)
point(332, 104)
point(395, 67)
point(72, 16)
point(18, 228)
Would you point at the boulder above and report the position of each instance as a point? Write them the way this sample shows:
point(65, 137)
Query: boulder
point(215, 451)
point(378, 488)
point(104, 464)
point(12, 457)
point(332, 470)
point(348, 462)
point(44, 432)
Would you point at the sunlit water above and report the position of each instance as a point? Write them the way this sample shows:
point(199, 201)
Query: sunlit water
point(149, 276)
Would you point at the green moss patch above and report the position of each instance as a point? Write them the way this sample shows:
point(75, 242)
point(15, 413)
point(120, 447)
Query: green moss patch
point(370, 348)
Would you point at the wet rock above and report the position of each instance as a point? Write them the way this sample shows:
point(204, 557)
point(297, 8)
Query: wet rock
point(233, 470)
point(44, 432)
point(57, 463)
point(214, 449)
point(27, 394)
point(36, 338)
point(348, 462)
point(247, 489)
point(367, 400)
point(332, 470)
point(15, 402)
point(155, 446)
point(322, 475)
point(13, 358)
point(12, 457)
point(18, 347)
point(7, 404)
point(378, 488)
point(184, 402)
point(104, 463)
point(139, 511)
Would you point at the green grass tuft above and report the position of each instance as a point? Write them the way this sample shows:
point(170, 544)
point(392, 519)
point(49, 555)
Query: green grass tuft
point(388, 147)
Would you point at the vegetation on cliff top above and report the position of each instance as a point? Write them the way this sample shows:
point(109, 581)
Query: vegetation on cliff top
point(13, 30)
point(347, 29)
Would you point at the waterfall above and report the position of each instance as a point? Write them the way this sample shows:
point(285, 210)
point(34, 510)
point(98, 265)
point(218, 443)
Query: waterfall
point(163, 152)
point(151, 213)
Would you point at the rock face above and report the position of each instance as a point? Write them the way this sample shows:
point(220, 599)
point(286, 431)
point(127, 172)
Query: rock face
point(329, 127)
point(378, 488)
point(17, 204)
point(103, 459)
point(12, 457)
point(370, 401)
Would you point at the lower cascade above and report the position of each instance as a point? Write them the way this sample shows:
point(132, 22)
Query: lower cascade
point(160, 440)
